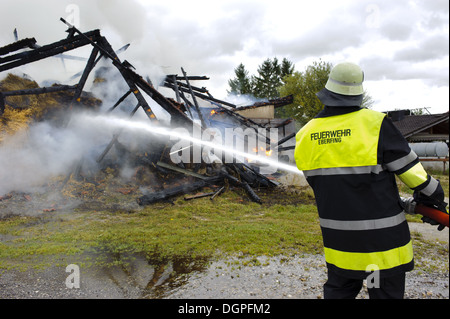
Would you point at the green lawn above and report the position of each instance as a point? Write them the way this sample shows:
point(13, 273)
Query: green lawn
point(286, 223)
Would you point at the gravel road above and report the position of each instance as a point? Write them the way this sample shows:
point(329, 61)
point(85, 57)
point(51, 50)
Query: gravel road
point(297, 277)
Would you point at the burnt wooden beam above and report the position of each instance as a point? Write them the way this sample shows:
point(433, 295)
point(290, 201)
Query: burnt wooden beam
point(177, 115)
point(286, 138)
point(250, 192)
point(15, 60)
point(87, 70)
point(219, 191)
point(166, 194)
point(172, 80)
point(242, 119)
point(200, 95)
point(127, 74)
point(43, 90)
point(21, 44)
point(120, 100)
point(115, 137)
point(135, 81)
point(197, 108)
point(180, 95)
point(105, 48)
point(190, 77)
point(199, 196)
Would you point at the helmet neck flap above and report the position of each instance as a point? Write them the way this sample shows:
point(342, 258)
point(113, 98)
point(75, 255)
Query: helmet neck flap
point(332, 99)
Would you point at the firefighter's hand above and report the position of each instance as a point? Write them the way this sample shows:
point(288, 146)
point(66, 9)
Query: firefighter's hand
point(432, 222)
point(428, 201)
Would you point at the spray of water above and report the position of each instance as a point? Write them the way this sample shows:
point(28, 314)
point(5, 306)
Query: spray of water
point(149, 127)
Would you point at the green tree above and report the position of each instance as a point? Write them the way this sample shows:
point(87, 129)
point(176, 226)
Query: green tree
point(241, 83)
point(270, 77)
point(304, 86)
point(265, 84)
point(287, 68)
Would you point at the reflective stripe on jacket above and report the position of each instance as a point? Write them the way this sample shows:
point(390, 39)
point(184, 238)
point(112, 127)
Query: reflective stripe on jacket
point(351, 170)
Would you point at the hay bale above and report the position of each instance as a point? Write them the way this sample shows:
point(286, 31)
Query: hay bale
point(20, 111)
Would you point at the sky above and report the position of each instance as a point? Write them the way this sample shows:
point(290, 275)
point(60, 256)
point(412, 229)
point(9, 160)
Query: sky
point(402, 45)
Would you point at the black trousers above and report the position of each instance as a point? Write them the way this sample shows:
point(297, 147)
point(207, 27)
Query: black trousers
point(338, 287)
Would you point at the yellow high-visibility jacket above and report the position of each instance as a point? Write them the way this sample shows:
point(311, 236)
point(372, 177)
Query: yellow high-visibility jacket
point(349, 160)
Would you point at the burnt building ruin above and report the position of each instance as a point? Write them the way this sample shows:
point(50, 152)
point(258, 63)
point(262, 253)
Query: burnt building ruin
point(184, 111)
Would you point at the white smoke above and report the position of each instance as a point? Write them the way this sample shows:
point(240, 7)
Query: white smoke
point(121, 22)
point(29, 159)
point(243, 99)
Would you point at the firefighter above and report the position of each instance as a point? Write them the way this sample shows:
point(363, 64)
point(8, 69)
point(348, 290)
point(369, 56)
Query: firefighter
point(350, 156)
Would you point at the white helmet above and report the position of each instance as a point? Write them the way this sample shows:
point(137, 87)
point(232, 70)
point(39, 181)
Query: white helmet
point(346, 78)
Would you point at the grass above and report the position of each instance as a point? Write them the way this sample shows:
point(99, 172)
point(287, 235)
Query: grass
point(228, 225)
point(430, 256)
point(285, 224)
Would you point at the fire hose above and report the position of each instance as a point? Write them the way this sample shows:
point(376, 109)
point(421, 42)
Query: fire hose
point(440, 216)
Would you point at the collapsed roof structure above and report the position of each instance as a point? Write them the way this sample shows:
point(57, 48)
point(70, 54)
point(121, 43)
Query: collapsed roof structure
point(184, 111)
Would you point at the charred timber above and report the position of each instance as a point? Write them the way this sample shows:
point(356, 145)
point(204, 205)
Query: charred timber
point(105, 48)
point(89, 66)
point(190, 77)
point(124, 68)
point(115, 137)
point(120, 100)
point(200, 196)
point(181, 170)
point(219, 191)
point(197, 108)
point(286, 138)
point(242, 119)
point(166, 194)
point(251, 176)
point(15, 60)
point(250, 192)
point(172, 81)
point(21, 44)
point(200, 95)
point(177, 115)
point(282, 124)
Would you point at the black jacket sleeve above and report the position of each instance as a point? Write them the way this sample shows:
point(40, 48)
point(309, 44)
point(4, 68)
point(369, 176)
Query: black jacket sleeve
point(396, 156)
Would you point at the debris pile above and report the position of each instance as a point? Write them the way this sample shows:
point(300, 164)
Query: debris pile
point(152, 166)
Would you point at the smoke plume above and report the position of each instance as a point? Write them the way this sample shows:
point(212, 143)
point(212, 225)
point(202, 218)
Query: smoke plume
point(30, 158)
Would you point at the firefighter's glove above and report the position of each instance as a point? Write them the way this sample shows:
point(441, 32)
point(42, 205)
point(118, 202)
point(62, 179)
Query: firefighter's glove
point(430, 202)
point(432, 222)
